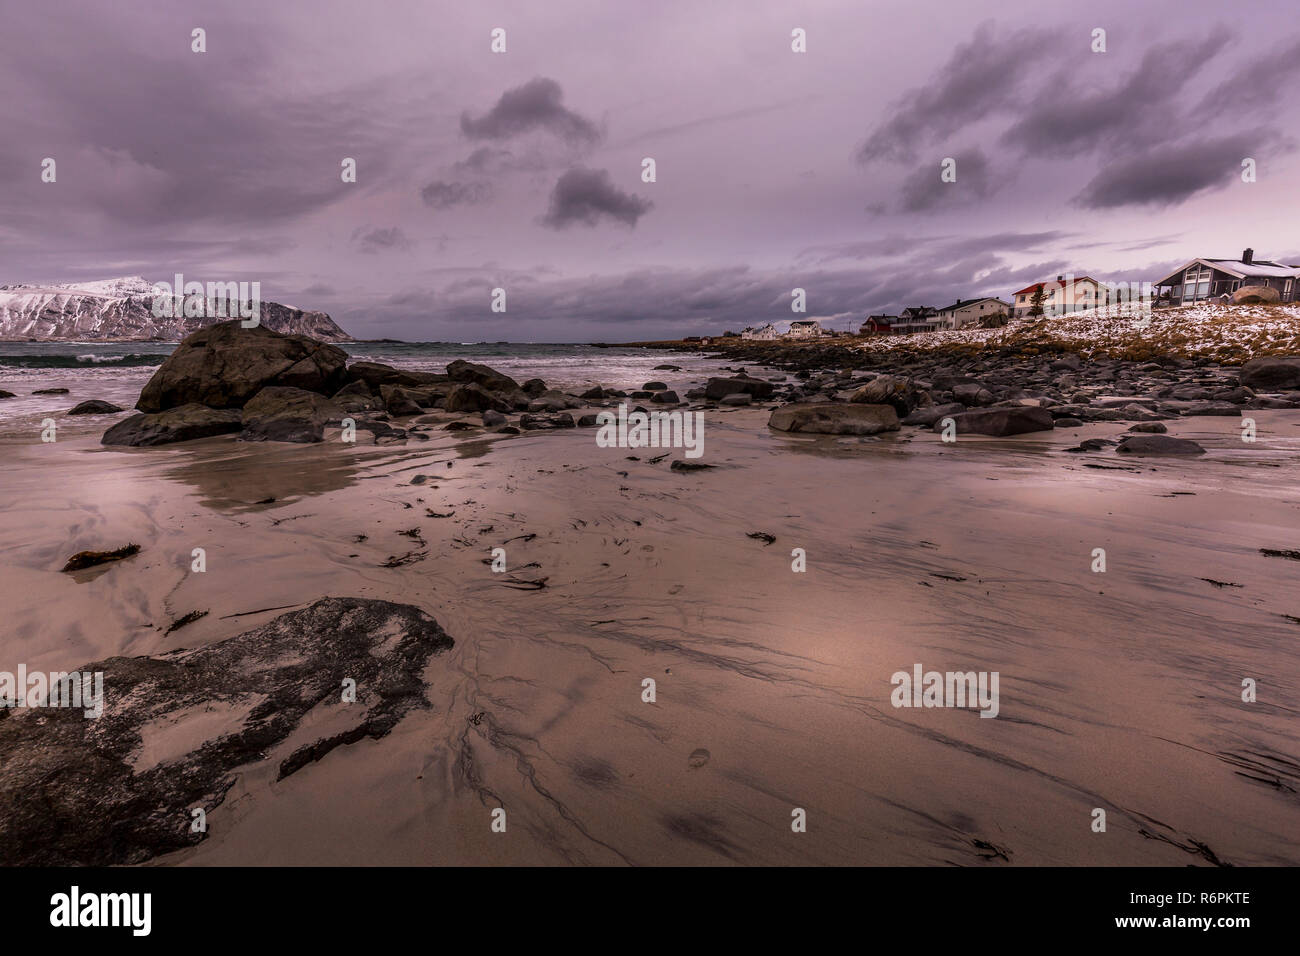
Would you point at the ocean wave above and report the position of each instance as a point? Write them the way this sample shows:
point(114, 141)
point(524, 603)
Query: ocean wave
point(80, 361)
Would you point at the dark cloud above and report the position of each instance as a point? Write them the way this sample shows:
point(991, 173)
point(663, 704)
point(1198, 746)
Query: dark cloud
point(537, 105)
point(924, 190)
point(444, 195)
point(381, 240)
point(1258, 84)
point(588, 195)
point(1142, 108)
point(979, 78)
point(1172, 174)
point(320, 289)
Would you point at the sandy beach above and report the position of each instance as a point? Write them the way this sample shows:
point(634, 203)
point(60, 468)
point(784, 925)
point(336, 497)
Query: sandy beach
point(1119, 690)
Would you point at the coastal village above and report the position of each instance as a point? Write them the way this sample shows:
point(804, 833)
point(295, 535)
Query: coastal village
point(1244, 280)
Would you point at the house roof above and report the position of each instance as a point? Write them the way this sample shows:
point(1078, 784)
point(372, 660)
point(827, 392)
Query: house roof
point(965, 302)
point(1260, 268)
point(804, 322)
point(1046, 282)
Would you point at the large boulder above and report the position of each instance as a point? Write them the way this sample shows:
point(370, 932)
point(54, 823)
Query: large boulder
point(719, 388)
point(225, 365)
point(833, 418)
point(1272, 374)
point(1256, 295)
point(355, 396)
point(178, 730)
point(999, 422)
point(183, 423)
point(287, 414)
point(489, 378)
point(400, 401)
point(893, 390)
point(469, 397)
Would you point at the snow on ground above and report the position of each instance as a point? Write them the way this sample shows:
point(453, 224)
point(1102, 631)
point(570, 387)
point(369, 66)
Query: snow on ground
point(1228, 333)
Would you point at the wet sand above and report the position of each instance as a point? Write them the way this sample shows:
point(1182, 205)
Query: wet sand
point(1119, 690)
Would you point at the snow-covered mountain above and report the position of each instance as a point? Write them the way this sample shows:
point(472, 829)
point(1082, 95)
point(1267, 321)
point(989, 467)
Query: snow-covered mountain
point(121, 310)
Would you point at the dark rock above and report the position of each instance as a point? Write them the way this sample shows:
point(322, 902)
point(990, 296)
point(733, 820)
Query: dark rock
point(96, 792)
point(95, 407)
point(533, 387)
point(666, 398)
point(1159, 445)
point(4, 394)
point(376, 374)
point(552, 401)
point(225, 365)
point(892, 390)
point(654, 386)
point(540, 422)
point(1222, 409)
point(829, 418)
point(50, 391)
point(739, 398)
point(594, 394)
point(1000, 422)
point(589, 421)
point(1147, 428)
point(489, 378)
point(355, 397)
point(184, 423)
point(682, 464)
point(972, 394)
point(929, 414)
point(493, 418)
point(1068, 423)
point(721, 387)
point(287, 414)
point(474, 398)
point(1271, 374)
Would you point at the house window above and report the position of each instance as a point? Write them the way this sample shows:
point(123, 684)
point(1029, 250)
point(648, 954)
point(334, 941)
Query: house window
point(1196, 284)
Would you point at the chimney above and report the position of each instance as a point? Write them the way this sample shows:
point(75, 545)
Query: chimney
point(1060, 278)
point(1248, 256)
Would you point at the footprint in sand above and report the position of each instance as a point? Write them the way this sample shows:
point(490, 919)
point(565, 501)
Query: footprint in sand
point(698, 758)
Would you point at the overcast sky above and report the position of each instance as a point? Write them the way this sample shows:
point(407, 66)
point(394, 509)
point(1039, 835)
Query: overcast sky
point(523, 170)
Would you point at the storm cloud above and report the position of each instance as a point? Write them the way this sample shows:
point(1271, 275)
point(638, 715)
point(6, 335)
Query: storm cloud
point(587, 196)
point(981, 76)
point(1174, 173)
point(537, 105)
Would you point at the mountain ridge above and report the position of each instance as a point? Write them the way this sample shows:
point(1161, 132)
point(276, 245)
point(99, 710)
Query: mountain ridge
point(121, 310)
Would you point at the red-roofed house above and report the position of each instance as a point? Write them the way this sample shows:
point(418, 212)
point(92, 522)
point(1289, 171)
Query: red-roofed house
point(1065, 294)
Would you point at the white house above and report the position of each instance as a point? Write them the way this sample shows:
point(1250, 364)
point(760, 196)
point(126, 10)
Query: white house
point(970, 311)
point(765, 332)
point(1066, 294)
point(805, 329)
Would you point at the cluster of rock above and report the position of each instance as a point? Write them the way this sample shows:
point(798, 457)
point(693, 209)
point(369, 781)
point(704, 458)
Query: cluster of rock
point(991, 396)
point(289, 388)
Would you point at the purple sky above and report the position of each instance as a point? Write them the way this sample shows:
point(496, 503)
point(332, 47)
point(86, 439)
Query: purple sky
point(523, 170)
